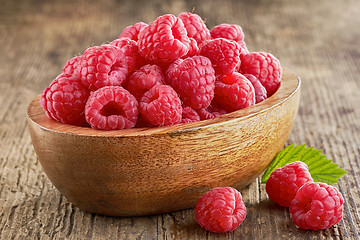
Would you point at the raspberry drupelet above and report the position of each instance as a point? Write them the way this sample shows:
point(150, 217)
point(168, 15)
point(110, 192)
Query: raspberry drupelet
point(111, 107)
point(220, 210)
point(189, 115)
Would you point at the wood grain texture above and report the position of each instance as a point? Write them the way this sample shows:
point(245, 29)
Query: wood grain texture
point(319, 40)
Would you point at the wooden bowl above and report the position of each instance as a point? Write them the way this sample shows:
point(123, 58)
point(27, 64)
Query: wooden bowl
point(156, 170)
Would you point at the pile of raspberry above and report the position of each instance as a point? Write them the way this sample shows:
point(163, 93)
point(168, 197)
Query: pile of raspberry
point(174, 70)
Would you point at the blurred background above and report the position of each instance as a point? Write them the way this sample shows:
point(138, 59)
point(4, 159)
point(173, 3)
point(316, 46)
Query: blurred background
point(318, 40)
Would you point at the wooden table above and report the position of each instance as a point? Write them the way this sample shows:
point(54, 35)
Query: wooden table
point(319, 40)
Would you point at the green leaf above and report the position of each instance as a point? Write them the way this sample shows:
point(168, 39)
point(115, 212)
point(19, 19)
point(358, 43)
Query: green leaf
point(321, 168)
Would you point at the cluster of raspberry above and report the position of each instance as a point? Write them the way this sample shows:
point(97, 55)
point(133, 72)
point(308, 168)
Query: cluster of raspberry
point(313, 205)
point(174, 70)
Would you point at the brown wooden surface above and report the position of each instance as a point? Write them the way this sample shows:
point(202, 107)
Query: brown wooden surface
point(319, 40)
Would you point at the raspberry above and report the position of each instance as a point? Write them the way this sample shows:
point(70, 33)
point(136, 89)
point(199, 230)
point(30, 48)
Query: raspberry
point(260, 91)
point(130, 50)
point(70, 66)
point(265, 67)
point(133, 31)
point(189, 115)
point(111, 107)
point(220, 210)
point(101, 66)
point(193, 49)
point(64, 100)
point(317, 206)
point(161, 106)
point(211, 111)
point(195, 26)
point(144, 79)
point(284, 182)
point(223, 53)
point(165, 40)
point(234, 92)
point(194, 80)
point(228, 31)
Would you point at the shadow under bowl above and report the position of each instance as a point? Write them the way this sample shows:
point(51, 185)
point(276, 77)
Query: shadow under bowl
point(145, 171)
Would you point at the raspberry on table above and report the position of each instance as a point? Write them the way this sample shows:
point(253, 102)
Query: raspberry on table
point(284, 182)
point(234, 92)
point(195, 27)
point(70, 66)
point(224, 55)
point(133, 31)
point(317, 206)
point(161, 106)
point(144, 79)
point(64, 100)
point(193, 79)
point(165, 40)
point(265, 67)
point(189, 115)
point(111, 107)
point(220, 210)
point(130, 49)
point(211, 111)
point(231, 32)
point(102, 66)
point(260, 91)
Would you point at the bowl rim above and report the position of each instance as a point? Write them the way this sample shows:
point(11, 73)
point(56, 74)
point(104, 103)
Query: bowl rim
point(36, 115)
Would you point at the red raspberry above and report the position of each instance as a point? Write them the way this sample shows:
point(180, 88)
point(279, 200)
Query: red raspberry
point(144, 79)
point(211, 111)
point(220, 210)
point(234, 92)
point(265, 67)
point(284, 182)
point(195, 26)
point(130, 50)
point(111, 107)
point(70, 67)
point(193, 49)
point(260, 91)
point(223, 53)
point(189, 115)
point(228, 31)
point(133, 31)
point(161, 106)
point(64, 100)
point(101, 66)
point(165, 40)
point(317, 206)
point(193, 79)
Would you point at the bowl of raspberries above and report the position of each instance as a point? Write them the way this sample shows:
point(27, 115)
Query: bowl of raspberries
point(147, 123)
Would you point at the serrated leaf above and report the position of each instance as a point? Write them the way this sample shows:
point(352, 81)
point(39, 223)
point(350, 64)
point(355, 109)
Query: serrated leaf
point(321, 168)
